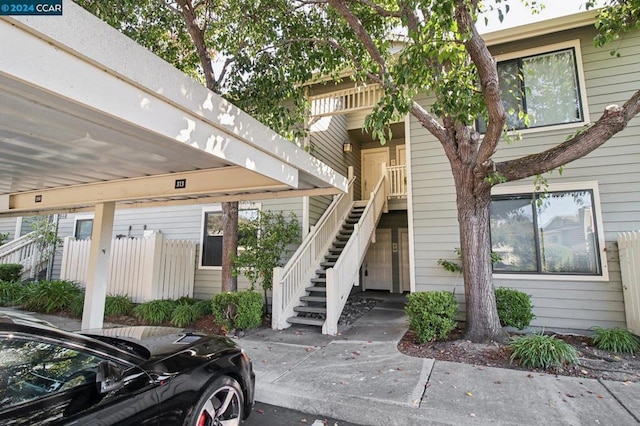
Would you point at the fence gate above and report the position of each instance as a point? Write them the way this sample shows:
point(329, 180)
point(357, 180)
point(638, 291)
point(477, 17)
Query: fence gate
point(142, 268)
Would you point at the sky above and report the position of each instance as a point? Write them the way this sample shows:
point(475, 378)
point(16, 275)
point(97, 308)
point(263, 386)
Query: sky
point(519, 14)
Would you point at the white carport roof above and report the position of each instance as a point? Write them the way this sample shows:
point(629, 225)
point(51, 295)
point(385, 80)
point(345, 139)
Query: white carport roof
point(87, 116)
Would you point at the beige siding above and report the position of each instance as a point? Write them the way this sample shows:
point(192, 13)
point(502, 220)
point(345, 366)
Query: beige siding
point(568, 304)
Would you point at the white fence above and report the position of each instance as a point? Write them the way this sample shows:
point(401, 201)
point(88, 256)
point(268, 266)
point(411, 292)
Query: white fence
point(142, 268)
point(345, 101)
point(629, 251)
point(397, 181)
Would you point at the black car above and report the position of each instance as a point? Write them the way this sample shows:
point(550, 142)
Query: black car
point(123, 376)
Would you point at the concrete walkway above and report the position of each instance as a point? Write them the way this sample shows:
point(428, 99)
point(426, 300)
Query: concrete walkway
point(360, 376)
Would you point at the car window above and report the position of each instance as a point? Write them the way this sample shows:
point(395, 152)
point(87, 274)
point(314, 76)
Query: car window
point(31, 369)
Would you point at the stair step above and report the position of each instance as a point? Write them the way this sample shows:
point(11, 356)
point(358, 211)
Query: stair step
point(342, 238)
point(310, 309)
point(306, 321)
point(319, 280)
point(327, 264)
point(321, 273)
point(332, 256)
point(340, 243)
point(316, 289)
point(348, 226)
point(352, 221)
point(336, 250)
point(314, 299)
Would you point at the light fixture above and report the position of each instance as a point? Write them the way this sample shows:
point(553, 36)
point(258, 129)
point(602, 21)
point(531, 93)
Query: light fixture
point(346, 146)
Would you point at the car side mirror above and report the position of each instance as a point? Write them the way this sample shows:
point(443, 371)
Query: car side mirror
point(109, 377)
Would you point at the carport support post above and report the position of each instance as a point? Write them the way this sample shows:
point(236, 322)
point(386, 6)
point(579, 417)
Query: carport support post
point(98, 269)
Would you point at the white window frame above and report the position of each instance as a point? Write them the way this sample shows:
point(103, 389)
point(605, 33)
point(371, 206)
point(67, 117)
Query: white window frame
point(78, 217)
point(575, 44)
point(561, 187)
point(217, 208)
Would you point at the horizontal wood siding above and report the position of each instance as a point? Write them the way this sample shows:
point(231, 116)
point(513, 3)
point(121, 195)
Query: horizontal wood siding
point(575, 304)
point(8, 226)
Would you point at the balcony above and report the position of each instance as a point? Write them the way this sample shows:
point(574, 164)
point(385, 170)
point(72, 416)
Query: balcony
point(345, 101)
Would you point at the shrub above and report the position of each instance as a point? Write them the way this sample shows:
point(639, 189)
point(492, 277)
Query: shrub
point(49, 296)
point(117, 305)
point(155, 311)
point(431, 314)
point(203, 307)
point(11, 292)
point(540, 350)
point(77, 305)
point(514, 308)
point(184, 314)
point(10, 272)
point(241, 309)
point(616, 340)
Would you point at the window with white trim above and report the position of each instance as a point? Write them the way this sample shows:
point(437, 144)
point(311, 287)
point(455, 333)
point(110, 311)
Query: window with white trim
point(547, 233)
point(542, 88)
point(212, 234)
point(83, 228)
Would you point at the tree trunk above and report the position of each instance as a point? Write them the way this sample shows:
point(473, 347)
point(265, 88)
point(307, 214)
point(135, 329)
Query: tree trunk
point(229, 245)
point(483, 324)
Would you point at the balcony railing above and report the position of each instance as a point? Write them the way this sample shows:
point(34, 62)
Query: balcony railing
point(397, 181)
point(345, 101)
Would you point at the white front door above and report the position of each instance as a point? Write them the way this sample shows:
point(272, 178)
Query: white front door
point(372, 160)
point(377, 263)
point(405, 281)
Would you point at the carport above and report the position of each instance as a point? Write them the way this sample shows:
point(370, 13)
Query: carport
point(91, 121)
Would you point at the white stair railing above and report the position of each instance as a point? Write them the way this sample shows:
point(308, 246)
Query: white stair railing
point(345, 273)
point(397, 176)
point(290, 281)
point(345, 101)
point(23, 251)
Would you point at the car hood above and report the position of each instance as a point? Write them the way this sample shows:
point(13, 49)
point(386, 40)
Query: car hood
point(155, 344)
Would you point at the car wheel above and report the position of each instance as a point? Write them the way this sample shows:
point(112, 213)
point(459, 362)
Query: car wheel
point(220, 405)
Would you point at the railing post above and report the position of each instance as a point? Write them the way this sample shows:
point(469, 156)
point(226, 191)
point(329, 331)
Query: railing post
point(385, 187)
point(276, 298)
point(331, 323)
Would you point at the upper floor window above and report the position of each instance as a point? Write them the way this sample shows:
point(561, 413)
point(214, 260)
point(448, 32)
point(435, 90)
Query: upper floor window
point(541, 89)
point(553, 233)
point(212, 235)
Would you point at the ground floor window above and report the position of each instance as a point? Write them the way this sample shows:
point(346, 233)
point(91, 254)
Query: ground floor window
point(83, 229)
point(212, 234)
point(546, 233)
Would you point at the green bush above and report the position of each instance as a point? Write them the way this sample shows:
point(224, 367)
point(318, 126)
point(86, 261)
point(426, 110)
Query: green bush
point(203, 307)
point(542, 351)
point(11, 293)
point(10, 272)
point(155, 311)
point(241, 309)
point(431, 314)
point(117, 305)
point(77, 305)
point(514, 308)
point(184, 314)
point(616, 340)
point(49, 296)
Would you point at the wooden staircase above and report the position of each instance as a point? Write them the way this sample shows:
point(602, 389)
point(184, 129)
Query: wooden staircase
point(314, 305)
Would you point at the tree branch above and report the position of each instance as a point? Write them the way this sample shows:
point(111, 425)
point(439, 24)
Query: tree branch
point(489, 84)
point(431, 124)
point(613, 120)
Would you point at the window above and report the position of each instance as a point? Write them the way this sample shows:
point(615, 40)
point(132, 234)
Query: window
point(31, 369)
point(212, 238)
point(83, 229)
point(552, 233)
point(541, 89)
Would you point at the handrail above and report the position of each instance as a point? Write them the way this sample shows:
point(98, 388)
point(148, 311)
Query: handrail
point(344, 274)
point(397, 176)
point(289, 282)
point(23, 251)
point(16, 244)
